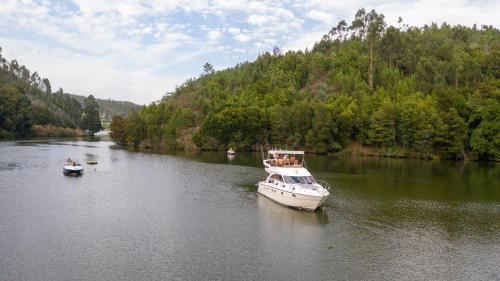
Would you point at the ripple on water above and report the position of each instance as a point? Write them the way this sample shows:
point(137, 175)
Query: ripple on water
point(9, 166)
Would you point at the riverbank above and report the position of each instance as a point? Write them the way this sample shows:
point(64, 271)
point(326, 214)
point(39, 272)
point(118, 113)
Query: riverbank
point(44, 131)
point(356, 150)
point(50, 131)
point(352, 150)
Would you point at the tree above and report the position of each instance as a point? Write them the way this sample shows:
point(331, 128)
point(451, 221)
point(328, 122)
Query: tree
point(451, 135)
point(485, 140)
point(242, 126)
point(15, 113)
point(118, 130)
point(382, 125)
point(46, 84)
point(319, 137)
point(208, 68)
point(376, 26)
point(369, 27)
point(91, 120)
point(277, 51)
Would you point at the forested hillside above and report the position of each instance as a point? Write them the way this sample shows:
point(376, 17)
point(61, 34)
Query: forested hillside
point(430, 91)
point(29, 107)
point(109, 108)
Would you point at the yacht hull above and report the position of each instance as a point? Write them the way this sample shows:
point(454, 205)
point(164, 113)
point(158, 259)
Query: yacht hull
point(73, 170)
point(294, 200)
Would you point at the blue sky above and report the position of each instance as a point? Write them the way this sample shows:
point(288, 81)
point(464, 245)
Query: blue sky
point(138, 50)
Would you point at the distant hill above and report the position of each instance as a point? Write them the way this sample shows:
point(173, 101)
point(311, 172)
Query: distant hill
point(109, 108)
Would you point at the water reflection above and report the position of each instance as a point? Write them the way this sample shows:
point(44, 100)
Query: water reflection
point(386, 177)
point(271, 209)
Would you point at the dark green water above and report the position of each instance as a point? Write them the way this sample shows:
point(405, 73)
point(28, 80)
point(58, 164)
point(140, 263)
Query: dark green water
point(146, 216)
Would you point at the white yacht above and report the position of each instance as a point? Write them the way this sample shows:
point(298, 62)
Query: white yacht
point(72, 168)
point(290, 183)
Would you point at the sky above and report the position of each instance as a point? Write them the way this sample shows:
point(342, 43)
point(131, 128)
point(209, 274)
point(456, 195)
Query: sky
point(139, 50)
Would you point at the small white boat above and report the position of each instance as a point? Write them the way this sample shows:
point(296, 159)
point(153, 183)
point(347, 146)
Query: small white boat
point(290, 183)
point(231, 151)
point(72, 168)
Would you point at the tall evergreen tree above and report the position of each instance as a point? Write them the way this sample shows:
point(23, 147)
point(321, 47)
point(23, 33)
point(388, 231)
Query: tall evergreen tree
point(91, 120)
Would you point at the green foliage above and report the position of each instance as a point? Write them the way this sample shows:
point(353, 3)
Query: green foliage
point(15, 113)
point(90, 118)
point(242, 126)
point(485, 140)
point(136, 129)
point(451, 135)
point(418, 123)
point(118, 130)
point(383, 125)
point(428, 91)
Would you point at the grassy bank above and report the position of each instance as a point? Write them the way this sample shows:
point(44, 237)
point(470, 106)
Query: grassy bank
point(49, 131)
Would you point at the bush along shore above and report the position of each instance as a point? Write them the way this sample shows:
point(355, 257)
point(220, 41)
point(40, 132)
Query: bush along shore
point(364, 88)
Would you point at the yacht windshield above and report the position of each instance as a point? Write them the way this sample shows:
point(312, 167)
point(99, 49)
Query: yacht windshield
point(301, 179)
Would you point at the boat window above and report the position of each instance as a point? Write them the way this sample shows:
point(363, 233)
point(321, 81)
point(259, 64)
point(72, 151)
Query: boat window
point(277, 177)
point(300, 179)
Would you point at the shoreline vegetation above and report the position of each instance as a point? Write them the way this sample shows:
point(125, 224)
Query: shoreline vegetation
point(30, 108)
point(421, 92)
point(49, 131)
point(353, 150)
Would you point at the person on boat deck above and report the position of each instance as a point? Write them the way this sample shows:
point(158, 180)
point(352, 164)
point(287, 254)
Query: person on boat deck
point(280, 160)
point(286, 160)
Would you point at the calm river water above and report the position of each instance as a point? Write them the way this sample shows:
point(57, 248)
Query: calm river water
point(144, 216)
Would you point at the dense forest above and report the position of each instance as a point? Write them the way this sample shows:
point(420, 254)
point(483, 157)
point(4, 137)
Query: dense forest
point(430, 91)
point(29, 107)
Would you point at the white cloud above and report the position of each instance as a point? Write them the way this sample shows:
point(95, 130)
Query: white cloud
point(214, 34)
point(256, 19)
point(320, 16)
point(303, 42)
point(242, 37)
point(234, 30)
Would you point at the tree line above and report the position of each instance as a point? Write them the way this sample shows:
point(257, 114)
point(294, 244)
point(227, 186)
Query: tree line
point(26, 99)
point(430, 91)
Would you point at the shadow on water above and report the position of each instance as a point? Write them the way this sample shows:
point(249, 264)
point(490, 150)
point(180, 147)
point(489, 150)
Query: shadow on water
point(290, 215)
point(9, 166)
point(69, 142)
point(411, 178)
point(90, 156)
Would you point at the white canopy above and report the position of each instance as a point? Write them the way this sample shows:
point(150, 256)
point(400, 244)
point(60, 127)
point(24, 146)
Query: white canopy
point(285, 171)
point(296, 152)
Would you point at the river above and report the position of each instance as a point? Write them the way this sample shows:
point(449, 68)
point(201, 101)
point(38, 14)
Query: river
point(180, 216)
